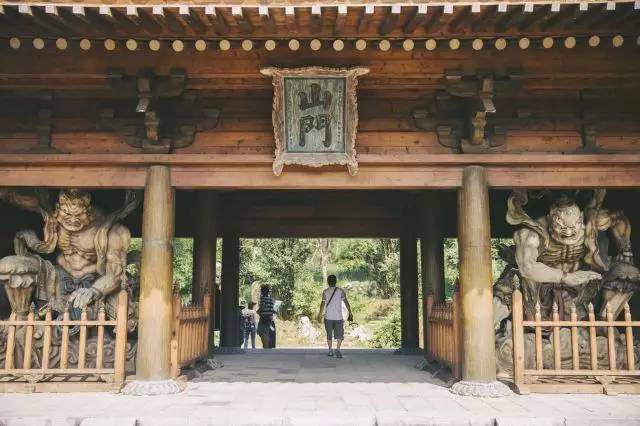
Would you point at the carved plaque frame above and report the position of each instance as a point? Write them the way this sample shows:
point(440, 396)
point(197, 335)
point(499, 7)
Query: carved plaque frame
point(349, 123)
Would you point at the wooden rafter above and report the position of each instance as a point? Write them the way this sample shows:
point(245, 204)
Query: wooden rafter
point(341, 18)
point(586, 17)
point(461, 19)
point(365, 18)
point(391, 18)
point(243, 22)
point(416, 19)
point(486, 19)
point(539, 12)
point(218, 21)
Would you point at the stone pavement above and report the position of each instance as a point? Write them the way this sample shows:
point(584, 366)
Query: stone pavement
point(305, 387)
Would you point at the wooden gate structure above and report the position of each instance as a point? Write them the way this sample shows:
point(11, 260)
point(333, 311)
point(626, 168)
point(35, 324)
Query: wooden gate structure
point(190, 342)
point(442, 342)
point(463, 101)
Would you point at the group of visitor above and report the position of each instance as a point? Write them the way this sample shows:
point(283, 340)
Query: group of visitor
point(261, 321)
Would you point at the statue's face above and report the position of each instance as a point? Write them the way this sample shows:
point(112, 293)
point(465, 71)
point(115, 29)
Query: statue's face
point(73, 211)
point(567, 221)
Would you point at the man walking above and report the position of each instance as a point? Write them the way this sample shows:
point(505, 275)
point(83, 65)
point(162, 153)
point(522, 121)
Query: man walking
point(331, 306)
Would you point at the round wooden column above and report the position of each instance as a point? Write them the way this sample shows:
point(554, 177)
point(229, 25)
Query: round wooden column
point(409, 331)
point(230, 324)
point(476, 289)
point(153, 360)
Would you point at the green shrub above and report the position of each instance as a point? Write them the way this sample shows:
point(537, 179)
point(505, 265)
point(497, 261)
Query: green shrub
point(387, 335)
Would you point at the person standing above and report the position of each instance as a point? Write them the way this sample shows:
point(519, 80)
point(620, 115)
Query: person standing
point(267, 312)
point(250, 317)
point(331, 306)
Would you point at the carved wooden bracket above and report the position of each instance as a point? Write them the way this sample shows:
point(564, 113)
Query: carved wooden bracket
point(460, 115)
point(166, 115)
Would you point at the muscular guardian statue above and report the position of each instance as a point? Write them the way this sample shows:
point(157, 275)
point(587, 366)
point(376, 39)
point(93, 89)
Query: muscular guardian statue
point(562, 257)
point(91, 249)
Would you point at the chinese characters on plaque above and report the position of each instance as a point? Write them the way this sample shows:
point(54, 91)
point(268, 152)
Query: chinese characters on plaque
point(315, 116)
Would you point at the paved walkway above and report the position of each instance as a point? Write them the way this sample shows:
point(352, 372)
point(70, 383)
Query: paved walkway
point(305, 387)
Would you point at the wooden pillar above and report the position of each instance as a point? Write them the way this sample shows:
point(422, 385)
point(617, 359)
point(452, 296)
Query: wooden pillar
point(476, 290)
point(153, 358)
point(230, 325)
point(409, 334)
point(431, 253)
point(204, 247)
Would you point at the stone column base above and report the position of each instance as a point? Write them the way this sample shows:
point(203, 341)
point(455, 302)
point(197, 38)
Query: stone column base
point(408, 351)
point(480, 389)
point(153, 387)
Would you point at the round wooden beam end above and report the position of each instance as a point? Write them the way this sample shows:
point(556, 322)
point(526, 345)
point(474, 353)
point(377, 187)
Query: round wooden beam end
point(361, 44)
point(500, 43)
point(408, 45)
point(338, 45)
point(270, 45)
point(14, 43)
point(132, 44)
point(454, 44)
point(200, 45)
point(430, 44)
point(294, 44)
point(617, 41)
point(109, 44)
point(177, 45)
point(384, 45)
point(154, 45)
point(62, 44)
point(594, 41)
point(547, 42)
point(85, 44)
point(224, 45)
point(570, 42)
point(524, 43)
point(247, 45)
point(477, 44)
point(38, 43)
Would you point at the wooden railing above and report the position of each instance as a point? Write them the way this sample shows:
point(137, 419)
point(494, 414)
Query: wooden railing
point(190, 329)
point(443, 333)
point(21, 375)
point(575, 376)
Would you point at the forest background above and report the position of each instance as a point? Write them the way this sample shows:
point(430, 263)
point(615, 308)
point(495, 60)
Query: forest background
point(297, 270)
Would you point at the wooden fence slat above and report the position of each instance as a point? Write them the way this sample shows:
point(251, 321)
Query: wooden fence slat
point(593, 343)
point(611, 343)
point(121, 339)
point(82, 344)
point(518, 338)
point(64, 346)
point(46, 341)
point(11, 344)
point(575, 350)
point(538, 334)
point(557, 362)
point(100, 337)
point(28, 340)
point(631, 359)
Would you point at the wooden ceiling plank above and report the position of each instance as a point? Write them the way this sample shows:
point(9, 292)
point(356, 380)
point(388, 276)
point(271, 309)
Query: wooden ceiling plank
point(620, 13)
point(365, 18)
point(418, 15)
point(390, 20)
point(53, 13)
point(341, 18)
point(123, 19)
point(461, 20)
point(632, 13)
point(219, 23)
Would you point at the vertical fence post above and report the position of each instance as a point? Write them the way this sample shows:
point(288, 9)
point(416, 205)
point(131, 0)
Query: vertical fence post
point(518, 339)
point(611, 339)
point(207, 327)
point(538, 334)
point(46, 343)
point(575, 350)
point(593, 343)
point(631, 362)
point(82, 345)
point(11, 344)
point(100, 336)
point(430, 331)
point(121, 339)
point(28, 339)
point(64, 346)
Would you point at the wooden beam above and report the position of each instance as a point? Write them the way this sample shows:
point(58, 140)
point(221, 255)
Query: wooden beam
point(567, 12)
point(150, 22)
point(52, 13)
point(316, 19)
point(539, 12)
point(291, 19)
point(365, 18)
point(173, 20)
point(191, 19)
point(417, 18)
point(30, 14)
point(509, 18)
point(593, 12)
point(485, 20)
point(390, 20)
point(435, 20)
point(341, 18)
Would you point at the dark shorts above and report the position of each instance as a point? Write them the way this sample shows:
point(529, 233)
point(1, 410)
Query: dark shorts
point(334, 329)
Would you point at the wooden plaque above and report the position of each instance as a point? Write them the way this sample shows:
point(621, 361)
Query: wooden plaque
point(315, 116)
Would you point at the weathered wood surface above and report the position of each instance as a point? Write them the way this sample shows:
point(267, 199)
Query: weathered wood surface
point(409, 307)
point(156, 277)
point(476, 281)
point(376, 171)
point(190, 329)
point(443, 331)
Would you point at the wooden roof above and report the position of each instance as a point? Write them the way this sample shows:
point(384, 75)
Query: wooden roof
point(322, 19)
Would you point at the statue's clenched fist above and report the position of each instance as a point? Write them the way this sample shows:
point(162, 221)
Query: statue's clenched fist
point(580, 278)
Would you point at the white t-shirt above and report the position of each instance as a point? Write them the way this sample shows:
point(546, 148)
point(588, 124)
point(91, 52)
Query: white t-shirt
point(333, 310)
